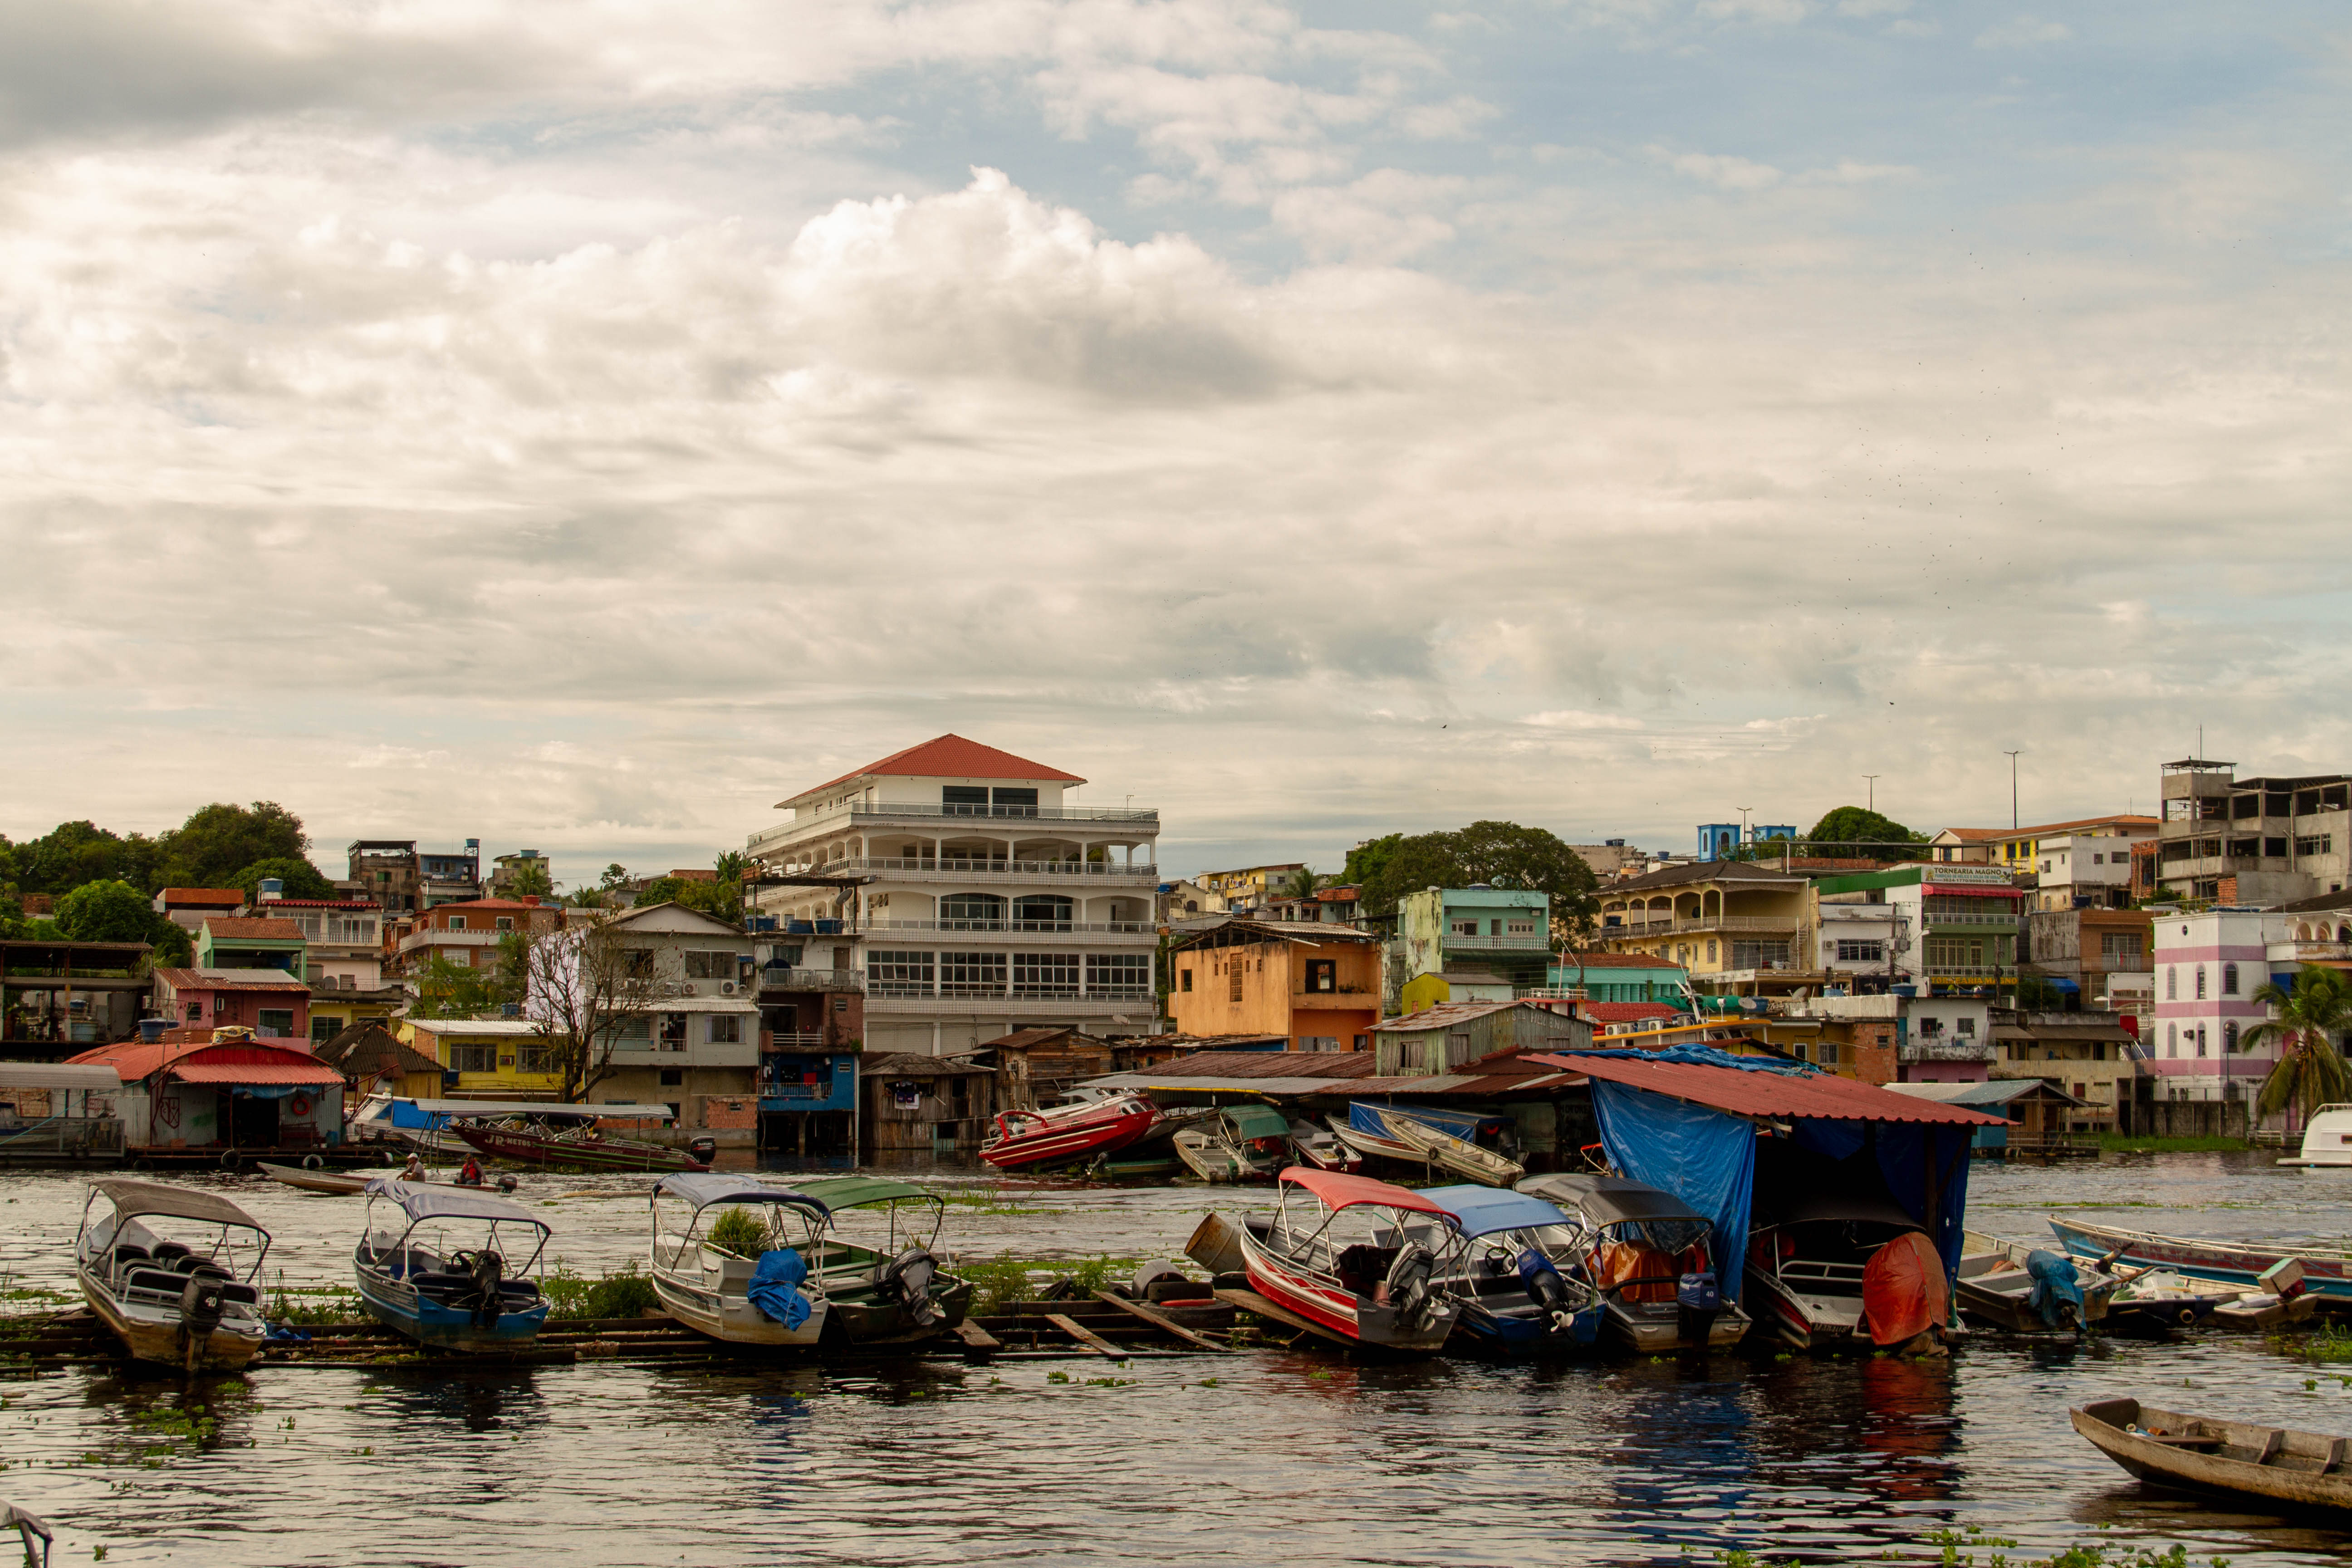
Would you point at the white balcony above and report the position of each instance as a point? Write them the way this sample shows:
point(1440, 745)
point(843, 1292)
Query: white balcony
point(1633, 926)
point(1135, 1005)
point(1461, 942)
point(1137, 823)
point(782, 979)
point(924, 869)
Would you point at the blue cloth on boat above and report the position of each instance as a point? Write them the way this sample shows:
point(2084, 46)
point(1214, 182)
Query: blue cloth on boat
point(2054, 1281)
point(1911, 1153)
point(1366, 1118)
point(1702, 1156)
point(775, 1288)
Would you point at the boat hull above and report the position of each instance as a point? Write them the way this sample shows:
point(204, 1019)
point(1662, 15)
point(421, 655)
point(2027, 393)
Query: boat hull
point(1068, 1144)
point(1656, 1329)
point(311, 1181)
point(2325, 1273)
point(866, 1319)
point(154, 1334)
point(733, 1320)
point(1458, 1155)
point(1336, 1308)
point(400, 1306)
point(597, 1154)
point(1217, 1159)
point(1802, 1320)
point(2298, 1469)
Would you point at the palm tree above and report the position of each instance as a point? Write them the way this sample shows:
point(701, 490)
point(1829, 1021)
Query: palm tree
point(731, 863)
point(1303, 883)
point(2310, 1072)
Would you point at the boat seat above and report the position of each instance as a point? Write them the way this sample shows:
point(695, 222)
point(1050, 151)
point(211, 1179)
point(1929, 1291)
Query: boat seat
point(129, 1252)
point(1362, 1266)
point(167, 1250)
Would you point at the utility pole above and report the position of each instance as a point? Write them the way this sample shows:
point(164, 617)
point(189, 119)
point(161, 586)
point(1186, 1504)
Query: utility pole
point(2012, 789)
point(1743, 810)
point(1873, 804)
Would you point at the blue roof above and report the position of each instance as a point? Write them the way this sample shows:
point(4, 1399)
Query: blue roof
point(1483, 1209)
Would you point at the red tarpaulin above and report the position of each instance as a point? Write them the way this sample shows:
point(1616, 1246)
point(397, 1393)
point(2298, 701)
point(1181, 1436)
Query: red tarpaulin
point(1903, 1291)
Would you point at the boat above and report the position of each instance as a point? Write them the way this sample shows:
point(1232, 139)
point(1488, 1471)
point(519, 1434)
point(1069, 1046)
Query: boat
point(193, 1304)
point(1811, 1262)
point(1067, 1134)
point(2207, 1453)
point(1358, 1258)
point(344, 1184)
point(2152, 1303)
point(2326, 1140)
point(1438, 1138)
point(759, 1294)
point(568, 1137)
point(2027, 1290)
point(2260, 1312)
point(433, 1263)
point(425, 1125)
point(1321, 1148)
point(876, 1261)
point(1648, 1255)
point(1519, 1284)
point(1372, 1143)
point(2327, 1270)
point(1241, 1143)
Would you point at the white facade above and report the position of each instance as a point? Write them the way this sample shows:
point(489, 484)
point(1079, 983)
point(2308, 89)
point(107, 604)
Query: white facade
point(2208, 965)
point(2083, 867)
point(971, 903)
point(1860, 938)
point(343, 941)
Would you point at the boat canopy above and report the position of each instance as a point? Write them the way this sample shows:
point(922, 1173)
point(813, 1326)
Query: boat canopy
point(1609, 1200)
point(1338, 1190)
point(1829, 1204)
point(132, 1196)
point(1252, 1122)
point(421, 1202)
point(1483, 1210)
point(856, 1191)
point(1365, 1116)
point(706, 1187)
point(430, 1113)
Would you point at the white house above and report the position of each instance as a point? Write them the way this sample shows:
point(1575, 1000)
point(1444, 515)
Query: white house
point(969, 892)
point(2207, 966)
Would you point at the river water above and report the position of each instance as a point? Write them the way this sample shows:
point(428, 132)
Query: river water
point(1251, 1459)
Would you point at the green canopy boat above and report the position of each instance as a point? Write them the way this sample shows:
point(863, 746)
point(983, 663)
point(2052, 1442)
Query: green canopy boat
point(1247, 1142)
point(874, 1264)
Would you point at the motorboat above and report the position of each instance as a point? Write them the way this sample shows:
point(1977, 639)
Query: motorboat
point(1067, 1134)
point(432, 1126)
point(750, 1283)
point(347, 1183)
point(2155, 1303)
point(1240, 1143)
point(2326, 1140)
point(173, 1272)
point(2214, 1454)
point(876, 1261)
point(435, 1263)
point(1809, 1261)
point(1320, 1147)
point(1371, 1141)
point(1519, 1283)
point(1648, 1254)
point(2326, 1270)
point(1338, 1252)
point(570, 1136)
point(1443, 1139)
point(2029, 1290)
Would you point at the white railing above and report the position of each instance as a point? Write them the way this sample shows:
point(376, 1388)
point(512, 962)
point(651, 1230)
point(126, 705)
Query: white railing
point(1531, 942)
point(790, 1041)
point(1131, 814)
point(895, 997)
point(1083, 928)
point(1669, 927)
point(927, 866)
point(779, 979)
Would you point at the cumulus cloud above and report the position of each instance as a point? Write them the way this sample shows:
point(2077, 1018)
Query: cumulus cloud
point(2023, 32)
point(1732, 174)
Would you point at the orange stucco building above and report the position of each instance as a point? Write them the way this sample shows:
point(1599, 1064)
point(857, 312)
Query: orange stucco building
point(1318, 985)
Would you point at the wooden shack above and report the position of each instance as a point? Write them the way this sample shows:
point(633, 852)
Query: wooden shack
point(373, 1060)
point(1036, 1067)
point(1439, 1040)
point(913, 1104)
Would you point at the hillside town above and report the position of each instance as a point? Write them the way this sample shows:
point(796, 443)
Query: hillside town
point(947, 933)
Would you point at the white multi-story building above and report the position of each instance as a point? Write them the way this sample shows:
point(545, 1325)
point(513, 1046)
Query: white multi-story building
point(2084, 871)
point(970, 900)
point(2209, 964)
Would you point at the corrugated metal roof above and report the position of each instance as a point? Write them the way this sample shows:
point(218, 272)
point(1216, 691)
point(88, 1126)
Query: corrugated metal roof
point(263, 928)
point(135, 1060)
point(1992, 1091)
point(257, 1072)
point(229, 897)
point(231, 979)
point(1445, 1014)
point(1273, 1064)
point(1746, 1093)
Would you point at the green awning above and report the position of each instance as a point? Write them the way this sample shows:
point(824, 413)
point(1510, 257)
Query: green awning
point(854, 1192)
point(1251, 1121)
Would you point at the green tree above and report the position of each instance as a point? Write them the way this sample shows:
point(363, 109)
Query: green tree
point(531, 880)
point(219, 841)
point(1367, 860)
point(1303, 883)
point(447, 990)
point(2310, 1071)
point(1499, 854)
point(73, 853)
point(302, 879)
point(731, 865)
point(105, 911)
point(723, 899)
point(1841, 832)
point(615, 875)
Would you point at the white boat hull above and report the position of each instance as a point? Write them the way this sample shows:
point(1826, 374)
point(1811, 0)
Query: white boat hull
point(708, 1307)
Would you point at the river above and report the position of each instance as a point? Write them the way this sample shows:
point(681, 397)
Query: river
point(1257, 1459)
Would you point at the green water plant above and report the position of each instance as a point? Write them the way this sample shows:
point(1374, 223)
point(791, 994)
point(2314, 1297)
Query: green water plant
point(739, 1233)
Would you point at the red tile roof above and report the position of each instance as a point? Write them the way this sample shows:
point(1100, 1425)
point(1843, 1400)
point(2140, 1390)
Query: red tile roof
point(953, 757)
point(260, 927)
point(227, 898)
point(1611, 961)
point(1623, 1012)
point(1745, 1092)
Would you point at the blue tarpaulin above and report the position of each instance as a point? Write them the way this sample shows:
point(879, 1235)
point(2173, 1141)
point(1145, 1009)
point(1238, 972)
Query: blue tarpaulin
point(1365, 1117)
point(1904, 1152)
point(1703, 1157)
point(775, 1288)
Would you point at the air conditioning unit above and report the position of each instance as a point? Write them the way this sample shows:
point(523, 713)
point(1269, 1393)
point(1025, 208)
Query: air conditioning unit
point(686, 987)
point(727, 988)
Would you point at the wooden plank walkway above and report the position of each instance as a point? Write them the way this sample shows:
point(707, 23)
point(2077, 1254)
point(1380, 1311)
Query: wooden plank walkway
point(1250, 1301)
point(1161, 1322)
point(1085, 1336)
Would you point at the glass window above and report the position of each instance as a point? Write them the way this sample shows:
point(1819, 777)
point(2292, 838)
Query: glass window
point(535, 1054)
point(1046, 974)
point(726, 1029)
point(2172, 1039)
point(2172, 981)
point(506, 923)
point(473, 1056)
point(972, 912)
point(2229, 980)
point(638, 962)
point(1183, 980)
point(456, 923)
point(971, 974)
point(634, 1029)
point(701, 965)
point(2200, 982)
point(1125, 976)
point(276, 1022)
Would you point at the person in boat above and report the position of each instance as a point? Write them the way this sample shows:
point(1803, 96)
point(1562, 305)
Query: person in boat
point(414, 1171)
point(469, 1174)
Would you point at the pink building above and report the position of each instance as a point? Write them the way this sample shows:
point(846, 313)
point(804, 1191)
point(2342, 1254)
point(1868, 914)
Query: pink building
point(271, 1003)
point(2207, 966)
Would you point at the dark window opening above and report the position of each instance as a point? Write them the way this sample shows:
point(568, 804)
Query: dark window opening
point(673, 1078)
point(1322, 974)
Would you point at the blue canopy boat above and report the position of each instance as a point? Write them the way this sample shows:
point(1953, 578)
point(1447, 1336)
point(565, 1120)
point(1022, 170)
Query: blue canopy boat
point(1518, 1280)
point(438, 1271)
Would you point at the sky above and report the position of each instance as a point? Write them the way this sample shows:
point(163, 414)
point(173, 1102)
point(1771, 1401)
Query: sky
point(580, 427)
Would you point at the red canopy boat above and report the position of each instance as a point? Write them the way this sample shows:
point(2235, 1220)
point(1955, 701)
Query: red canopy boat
point(1066, 1134)
point(1357, 1256)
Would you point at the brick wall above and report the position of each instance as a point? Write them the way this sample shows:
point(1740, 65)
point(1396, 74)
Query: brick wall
point(725, 1113)
point(1874, 1051)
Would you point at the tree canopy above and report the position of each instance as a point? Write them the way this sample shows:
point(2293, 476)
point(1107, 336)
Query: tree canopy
point(2310, 1071)
point(117, 912)
point(724, 899)
point(1499, 854)
point(1367, 859)
point(1855, 825)
point(73, 853)
point(531, 879)
point(302, 879)
point(219, 841)
point(208, 850)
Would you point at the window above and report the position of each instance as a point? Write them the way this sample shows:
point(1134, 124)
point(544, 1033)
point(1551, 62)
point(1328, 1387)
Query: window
point(972, 912)
point(671, 1031)
point(1127, 976)
point(971, 974)
point(473, 1056)
point(2200, 1033)
point(2098, 859)
point(2200, 982)
point(1756, 954)
point(1463, 928)
point(1523, 928)
point(1046, 974)
point(1183, 980)
point(1015, 800)
point(1710, 950)
point(1233, 981)
point(1956, 954)
point(673, 1078)
point(506, 923)
point(535, 1055)
point(196, 1012)
point(899, 974)
point(276, 1022)
point(2172, 983)
point(1965, 1025)
point(2325, 844)
point(635, 1030)
point(1828, 1053)
point(1861, 951)
point(711, 965)
point(1043, 912)
point(1322, 974)
point(2275, 848)
point(964, 800)
point(2230, 1038)
point(2229, 980)
point(1930, 1028)
point(322, 1030)
point(2114, 944)
point(637, 962)
point(456, 923)
point(2172, 1039)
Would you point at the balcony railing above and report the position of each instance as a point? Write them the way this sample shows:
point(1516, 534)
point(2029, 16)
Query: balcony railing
point(1916, 1050)
point(1129, 815)
point(1530, 943)
point(926, 866)
point(1670, 927)
point(887, 998)
point(776, 978)
point(790, 1040)
point(1081, 928)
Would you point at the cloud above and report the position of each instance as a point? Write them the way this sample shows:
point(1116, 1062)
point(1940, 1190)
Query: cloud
point(1729, 172)
point(1781, 11)
point(2023, 32)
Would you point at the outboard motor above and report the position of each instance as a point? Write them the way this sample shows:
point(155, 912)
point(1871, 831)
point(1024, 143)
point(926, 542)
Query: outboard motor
point(488, 1268)
point(906, 1279)
point(505, 1184)
point(703, 1148)
point(1698, 1301)
point(1409, 1296)
point(202, 1303)
point(1548, 1290)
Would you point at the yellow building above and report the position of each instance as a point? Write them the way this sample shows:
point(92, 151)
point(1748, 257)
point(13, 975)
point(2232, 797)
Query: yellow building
point(1249, 888)
point(494, 1059)
point(334, 1009)
point(2019, 849)
point(1736, 927)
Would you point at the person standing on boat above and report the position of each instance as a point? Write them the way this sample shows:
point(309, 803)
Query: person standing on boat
point(469, 1174)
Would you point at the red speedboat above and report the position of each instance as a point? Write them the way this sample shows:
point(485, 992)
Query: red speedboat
point(1359, 1256)
point(1067, 1134)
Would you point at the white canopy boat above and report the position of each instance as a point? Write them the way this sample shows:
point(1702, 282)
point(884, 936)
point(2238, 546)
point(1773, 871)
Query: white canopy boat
point(759, 1294)
point(193, 1304)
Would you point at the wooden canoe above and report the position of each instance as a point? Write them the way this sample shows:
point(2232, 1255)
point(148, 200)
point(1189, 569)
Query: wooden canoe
point(2169, 1447)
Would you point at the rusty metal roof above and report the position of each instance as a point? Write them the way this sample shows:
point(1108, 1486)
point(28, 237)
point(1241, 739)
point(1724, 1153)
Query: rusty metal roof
point(1743, 1092)
point(1446, 1014)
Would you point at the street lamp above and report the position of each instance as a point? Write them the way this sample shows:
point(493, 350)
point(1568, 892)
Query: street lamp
point(2012, 789)
point(1873, 803)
